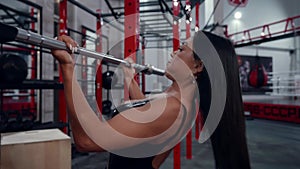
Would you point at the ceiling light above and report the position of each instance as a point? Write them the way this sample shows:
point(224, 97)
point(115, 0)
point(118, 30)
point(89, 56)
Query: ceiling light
point(175, 3)
point(238, 15)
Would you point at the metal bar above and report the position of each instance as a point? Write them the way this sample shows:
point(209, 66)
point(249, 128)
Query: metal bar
point(161, 6)
point(155, 21)
point(131, 34)
point(142, 4)
point(94, 13)
point(153, 35)
point(160, 31)
point(88, 10)
point(150, 11)
point(162, 26)
point(18, 12)
point(62, 116)
point(110, 15)
point(147, 20)
point(84, 63)
point(199, 115)
point(80, 33)
point(150, 3)
point(176, 37)
point(273, 23)
point(167, 7)
point(159, 23)
point(112, 10)
point(188, 35)
point(118, 8)
point(143, 62)
point(50, 43)
point(33, 65)
point(26, 48)
point(142, 11)
point(180, 9)
point(31, 4)
point(271, 48)
point(163, 13)
point(33, 84)
point(150, 15)
point(159, 47)
point(268, 39)
point(98, 80)
point(260, 37)
point(13, 18)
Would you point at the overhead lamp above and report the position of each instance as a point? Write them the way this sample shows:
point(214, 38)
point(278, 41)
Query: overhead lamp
point(175, 2)
point(188, 7)
point(237, 15)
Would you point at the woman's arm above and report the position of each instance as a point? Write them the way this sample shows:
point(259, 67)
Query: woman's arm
point(82, 140)
point(160, 158)
point(124, 129)
point(134, 90)
point(91, 134)
point(66, 62)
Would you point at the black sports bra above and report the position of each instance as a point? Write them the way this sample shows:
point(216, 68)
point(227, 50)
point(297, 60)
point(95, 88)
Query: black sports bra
point(120, 162)
point(129, 105)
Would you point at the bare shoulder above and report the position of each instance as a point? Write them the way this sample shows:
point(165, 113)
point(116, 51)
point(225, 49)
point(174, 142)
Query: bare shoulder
point(173, 105)
point(148, 120)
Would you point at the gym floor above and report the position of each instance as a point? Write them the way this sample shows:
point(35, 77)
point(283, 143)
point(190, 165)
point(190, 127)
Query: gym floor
point(271, 144)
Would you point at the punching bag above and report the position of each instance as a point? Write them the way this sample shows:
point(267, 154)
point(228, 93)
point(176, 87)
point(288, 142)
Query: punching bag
point(257, 76)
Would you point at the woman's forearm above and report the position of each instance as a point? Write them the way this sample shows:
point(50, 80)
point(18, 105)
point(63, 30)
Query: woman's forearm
point(134, 89)
point(82, 140)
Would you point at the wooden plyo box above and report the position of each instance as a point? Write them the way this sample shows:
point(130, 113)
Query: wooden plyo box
point(37, 149)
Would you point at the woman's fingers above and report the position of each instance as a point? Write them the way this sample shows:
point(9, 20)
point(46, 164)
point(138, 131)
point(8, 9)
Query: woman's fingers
point(63, 56)
point(129, 59)
point(70, 43)
point(129, 71)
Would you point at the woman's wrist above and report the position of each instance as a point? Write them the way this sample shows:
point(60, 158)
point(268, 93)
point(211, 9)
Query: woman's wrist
point(67, 66)
point(67, 71)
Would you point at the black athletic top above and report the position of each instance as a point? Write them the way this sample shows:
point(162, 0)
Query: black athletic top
point(120, 162)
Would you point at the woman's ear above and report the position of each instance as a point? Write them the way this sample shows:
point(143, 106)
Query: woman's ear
point(198, 67)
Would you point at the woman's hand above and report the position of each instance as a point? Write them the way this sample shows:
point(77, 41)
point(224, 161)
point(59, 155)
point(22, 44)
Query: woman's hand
point(64, 57)
point(133, 87)
point(129, 72)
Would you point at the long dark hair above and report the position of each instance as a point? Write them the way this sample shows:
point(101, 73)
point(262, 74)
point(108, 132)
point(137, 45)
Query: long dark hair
point(229, 139)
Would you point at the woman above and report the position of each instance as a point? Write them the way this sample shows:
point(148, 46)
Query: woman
point(171, 113)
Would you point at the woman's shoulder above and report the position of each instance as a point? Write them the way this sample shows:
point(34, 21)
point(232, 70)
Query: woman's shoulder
point(168, 101)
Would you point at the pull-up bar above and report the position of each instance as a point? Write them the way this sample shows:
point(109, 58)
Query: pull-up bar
point(10, 33)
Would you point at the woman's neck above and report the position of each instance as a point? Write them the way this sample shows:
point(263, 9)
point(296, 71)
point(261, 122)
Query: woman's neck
point(184, 90)
point(181, 86)
point(184, 93)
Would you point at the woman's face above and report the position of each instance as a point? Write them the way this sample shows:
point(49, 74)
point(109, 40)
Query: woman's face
point(182, 62)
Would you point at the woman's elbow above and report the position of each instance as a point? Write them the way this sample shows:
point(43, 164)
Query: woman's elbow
point(87, 146)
